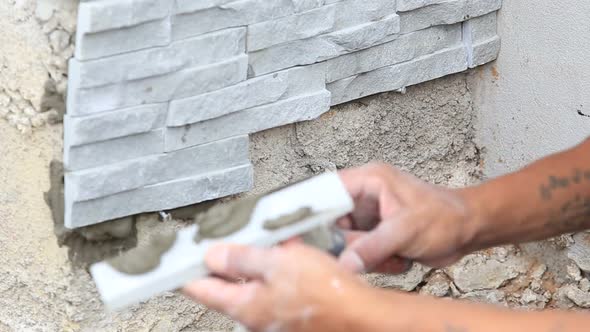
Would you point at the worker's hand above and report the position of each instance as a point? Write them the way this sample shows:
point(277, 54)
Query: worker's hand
point(399, 215)
point(290, 288)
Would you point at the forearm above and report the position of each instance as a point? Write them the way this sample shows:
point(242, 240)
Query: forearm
point(408, 313)
point(545, 199)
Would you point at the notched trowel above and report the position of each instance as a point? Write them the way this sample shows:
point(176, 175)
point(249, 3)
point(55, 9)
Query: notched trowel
point(308, 209)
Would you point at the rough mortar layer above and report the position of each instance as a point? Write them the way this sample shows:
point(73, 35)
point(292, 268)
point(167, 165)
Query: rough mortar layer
point(37, 41)
point(45, 286)
point(152, 78)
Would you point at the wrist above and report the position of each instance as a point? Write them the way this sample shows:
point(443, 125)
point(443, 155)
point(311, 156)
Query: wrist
point(352, 311)
point(477, 215)
point(380, 310)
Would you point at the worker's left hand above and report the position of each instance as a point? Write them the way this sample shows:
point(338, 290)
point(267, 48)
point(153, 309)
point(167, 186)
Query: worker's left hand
point(290, 288)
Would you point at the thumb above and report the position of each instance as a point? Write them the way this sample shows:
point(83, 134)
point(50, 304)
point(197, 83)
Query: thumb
point(372, 248)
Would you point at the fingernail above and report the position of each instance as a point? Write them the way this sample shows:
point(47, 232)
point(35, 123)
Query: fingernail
point(352, 261)
point(218, 258)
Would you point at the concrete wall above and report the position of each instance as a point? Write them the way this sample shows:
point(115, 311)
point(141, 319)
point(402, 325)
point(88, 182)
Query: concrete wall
point(535, 99)
point(156, 85)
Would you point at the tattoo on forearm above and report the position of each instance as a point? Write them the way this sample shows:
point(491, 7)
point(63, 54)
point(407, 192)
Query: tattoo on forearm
point(561, 182)
point(572, 216)
point(453, 328)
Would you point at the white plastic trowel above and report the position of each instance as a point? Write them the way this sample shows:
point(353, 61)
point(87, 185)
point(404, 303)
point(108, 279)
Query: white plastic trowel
point(325, 196)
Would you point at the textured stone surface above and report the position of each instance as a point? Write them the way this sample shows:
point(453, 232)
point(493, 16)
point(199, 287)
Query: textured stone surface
point(476, 273)
point(254, 92)
point(192, 52)
point(114, 150)
point(486, 51)
point(214, 69)
point(406, 282)
point(157, 89)
point(487, 296)
point(112, 42)
point(407, 5)
point(404, 48)
point(484, 27)
point(162, 196)
point(579, 297)
point(301, 26)
point(399, 76)
point(579, 252)
point(109, 125)
point(235, 13)
point(185, 6)
point(96, 16)
point(136, 173)
point(447, 12)
point(284, 112)
point(438, 286)
point(324, 47)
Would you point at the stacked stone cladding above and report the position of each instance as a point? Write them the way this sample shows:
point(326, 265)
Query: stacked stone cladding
point(163, 94)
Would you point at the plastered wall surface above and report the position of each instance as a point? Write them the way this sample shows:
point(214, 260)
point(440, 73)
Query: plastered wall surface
point(429, 131)
point(163, 94)
point(535, 99)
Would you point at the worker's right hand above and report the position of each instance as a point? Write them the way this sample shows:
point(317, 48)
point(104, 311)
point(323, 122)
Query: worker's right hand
point(397, 214)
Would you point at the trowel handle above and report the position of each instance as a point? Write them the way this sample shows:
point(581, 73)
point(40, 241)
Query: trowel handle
point(339, 242)
point(328, 238)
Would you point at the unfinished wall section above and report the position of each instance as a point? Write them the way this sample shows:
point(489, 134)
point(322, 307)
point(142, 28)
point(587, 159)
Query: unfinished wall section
point(36, 44)
point(163, 94)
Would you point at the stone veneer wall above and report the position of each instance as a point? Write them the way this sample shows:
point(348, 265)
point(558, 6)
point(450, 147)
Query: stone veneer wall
point(162, 95)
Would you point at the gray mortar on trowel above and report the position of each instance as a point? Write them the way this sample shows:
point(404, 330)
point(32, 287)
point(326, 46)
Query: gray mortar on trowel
point(288, 219)
point(225, 219)
point(144, 259)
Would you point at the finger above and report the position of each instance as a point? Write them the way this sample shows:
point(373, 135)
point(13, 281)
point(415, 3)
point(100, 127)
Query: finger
point(344, 222)
point(370, 249)
point(392, 265)
point(359, 220)
point(370, 178)
point(235, 261)
point(223, 296)
point(361, 181)
point(366, 211)
point(371, 187)
point(292, 241)
point(441, 262)
point(352, 236)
